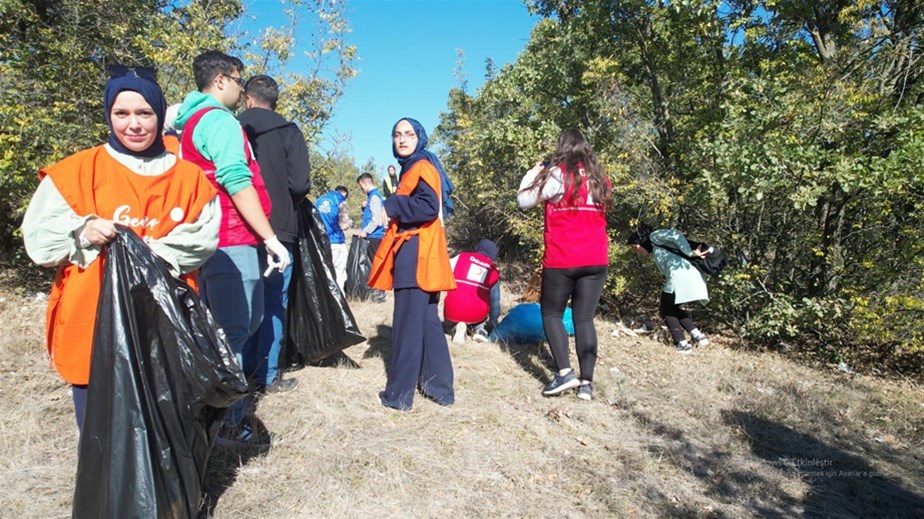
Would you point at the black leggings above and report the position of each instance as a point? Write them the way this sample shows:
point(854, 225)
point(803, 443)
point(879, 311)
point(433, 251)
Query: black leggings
point(583, 285)
point(675, 317)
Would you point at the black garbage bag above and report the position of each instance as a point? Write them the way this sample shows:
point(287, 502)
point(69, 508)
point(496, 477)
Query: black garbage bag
point(319, 322)
point(359, 264)
point(161, 375)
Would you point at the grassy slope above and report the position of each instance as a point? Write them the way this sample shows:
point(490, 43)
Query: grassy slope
point(720, 433)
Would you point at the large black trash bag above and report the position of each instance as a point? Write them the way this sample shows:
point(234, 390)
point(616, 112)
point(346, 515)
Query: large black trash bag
point(319, 322)
point(359, 264)
point(161, 375)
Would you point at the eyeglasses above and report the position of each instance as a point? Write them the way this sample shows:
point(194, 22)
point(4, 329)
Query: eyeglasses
point(116, 71)
point(239, 80)
point(406, 135)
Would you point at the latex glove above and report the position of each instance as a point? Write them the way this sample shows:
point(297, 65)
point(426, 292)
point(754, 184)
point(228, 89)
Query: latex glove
point(277, 256)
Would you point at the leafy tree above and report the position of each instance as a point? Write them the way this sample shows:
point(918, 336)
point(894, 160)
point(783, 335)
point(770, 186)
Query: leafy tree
point(53, 56)
point(785, 130)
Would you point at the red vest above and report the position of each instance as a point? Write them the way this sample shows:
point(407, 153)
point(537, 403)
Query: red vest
point(234, 230)
point(433, 272)
point(575, 231)
point(470, 302)
point(92, 182)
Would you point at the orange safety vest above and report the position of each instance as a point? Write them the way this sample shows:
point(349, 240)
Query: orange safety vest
point(172, 143)
point(93, 182)
point(433, 271)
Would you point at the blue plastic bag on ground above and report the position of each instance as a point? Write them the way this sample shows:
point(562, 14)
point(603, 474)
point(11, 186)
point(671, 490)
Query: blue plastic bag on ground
point(523, 323)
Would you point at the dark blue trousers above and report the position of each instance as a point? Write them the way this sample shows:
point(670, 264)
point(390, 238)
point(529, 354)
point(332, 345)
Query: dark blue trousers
point(420, 355)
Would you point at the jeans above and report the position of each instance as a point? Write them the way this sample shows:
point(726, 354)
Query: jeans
point(265, 345)
point(232, 288)
point(495, 306)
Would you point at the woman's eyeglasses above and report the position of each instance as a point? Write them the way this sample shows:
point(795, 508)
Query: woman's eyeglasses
point(116, 71)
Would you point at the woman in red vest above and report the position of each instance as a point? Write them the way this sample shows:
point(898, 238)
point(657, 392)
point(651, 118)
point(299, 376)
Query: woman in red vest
point(576, 194)
point(130, 181)
point(414, 261)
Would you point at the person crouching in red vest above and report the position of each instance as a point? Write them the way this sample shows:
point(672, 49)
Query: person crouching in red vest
point(473, 302)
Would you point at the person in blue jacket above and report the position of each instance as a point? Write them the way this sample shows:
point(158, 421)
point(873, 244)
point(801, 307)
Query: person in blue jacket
point(329, 206)
point(372, 229)
point(683, 283)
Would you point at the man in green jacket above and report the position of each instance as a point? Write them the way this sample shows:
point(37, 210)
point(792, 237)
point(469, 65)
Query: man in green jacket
point(231, 282)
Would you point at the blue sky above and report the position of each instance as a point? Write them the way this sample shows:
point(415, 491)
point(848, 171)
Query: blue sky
point(408, 57)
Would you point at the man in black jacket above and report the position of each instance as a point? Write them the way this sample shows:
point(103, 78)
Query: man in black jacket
point(283, 157)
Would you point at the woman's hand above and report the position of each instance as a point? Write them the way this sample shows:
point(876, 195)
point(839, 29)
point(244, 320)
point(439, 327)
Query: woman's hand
point(384, 218)
point(99, 231)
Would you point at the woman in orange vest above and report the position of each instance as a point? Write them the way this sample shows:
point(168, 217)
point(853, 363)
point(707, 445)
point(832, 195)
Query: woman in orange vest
point(413, 260)
point(130, 181)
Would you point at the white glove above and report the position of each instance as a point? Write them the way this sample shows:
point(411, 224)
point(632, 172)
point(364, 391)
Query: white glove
point(277, 256)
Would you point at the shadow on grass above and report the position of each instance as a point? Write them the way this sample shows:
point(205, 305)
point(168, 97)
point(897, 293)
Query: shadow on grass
point(222, 468)
point(842, 483)
point(380, 346)
point(534, 358)
point(337, 360)
point(715, 467)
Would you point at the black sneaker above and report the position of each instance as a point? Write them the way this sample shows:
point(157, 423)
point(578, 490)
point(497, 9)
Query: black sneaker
point(281, 385)
point(560, 384)
point(585, 391)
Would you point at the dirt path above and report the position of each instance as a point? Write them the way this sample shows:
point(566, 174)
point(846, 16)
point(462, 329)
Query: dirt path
point(720, 433)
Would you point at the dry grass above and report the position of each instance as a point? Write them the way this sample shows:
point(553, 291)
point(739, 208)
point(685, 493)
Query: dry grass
point(720, 433)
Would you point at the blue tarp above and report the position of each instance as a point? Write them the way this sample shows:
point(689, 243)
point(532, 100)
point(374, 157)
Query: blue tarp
point(523, 323)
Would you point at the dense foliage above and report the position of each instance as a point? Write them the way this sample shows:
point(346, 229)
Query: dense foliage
point(787, 131)
point(53, 56)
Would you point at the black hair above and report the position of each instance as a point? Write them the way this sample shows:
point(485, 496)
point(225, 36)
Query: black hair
point(343, 189)
point(391, 167)
point(641, 237)
point(263, 89)
point(212, 63)
point(365, 176)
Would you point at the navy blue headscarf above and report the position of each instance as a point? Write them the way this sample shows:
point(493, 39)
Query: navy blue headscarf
point(151, 92)
point(488, 248)
point(421, 153)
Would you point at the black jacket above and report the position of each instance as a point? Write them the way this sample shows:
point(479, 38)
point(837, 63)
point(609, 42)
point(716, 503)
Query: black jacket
point(283, 157)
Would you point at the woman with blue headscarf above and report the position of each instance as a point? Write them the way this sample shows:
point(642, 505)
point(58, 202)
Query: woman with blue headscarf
point(413, 260)
point(130, 181)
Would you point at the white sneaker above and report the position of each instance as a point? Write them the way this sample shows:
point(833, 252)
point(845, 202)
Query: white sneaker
point(701, 341)
point(459, 336)
point(480, 335)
